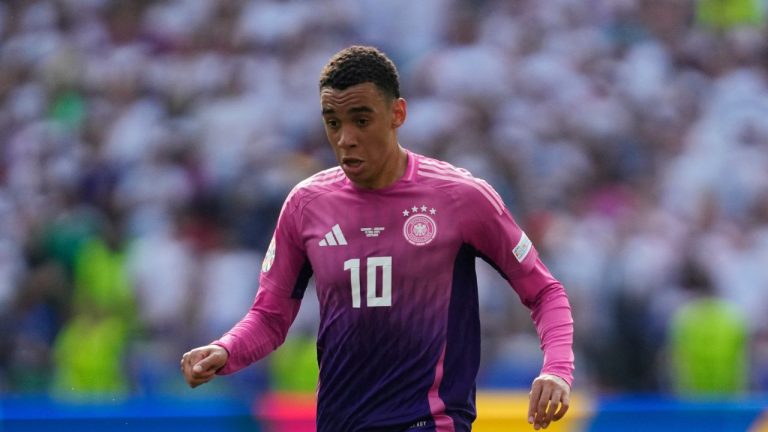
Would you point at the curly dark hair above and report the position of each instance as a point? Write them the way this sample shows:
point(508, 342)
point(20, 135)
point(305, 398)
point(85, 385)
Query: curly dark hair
point(361, 64)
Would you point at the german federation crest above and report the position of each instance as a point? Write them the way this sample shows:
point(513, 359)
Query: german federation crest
point(419, 229)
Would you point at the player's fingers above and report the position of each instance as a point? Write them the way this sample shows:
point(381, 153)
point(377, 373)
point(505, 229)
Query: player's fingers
point(553, 404)
point(188, 361)
point(533, 399)
point(204, 375)
point(190, 358)
point(196, 377)
point(200, 379)
point(541, 407)
point(207, 364)
point(564, 403)
point(186, 365)
point(188, 375)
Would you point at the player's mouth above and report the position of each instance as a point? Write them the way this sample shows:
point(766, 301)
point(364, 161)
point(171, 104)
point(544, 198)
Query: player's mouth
point(352, 165)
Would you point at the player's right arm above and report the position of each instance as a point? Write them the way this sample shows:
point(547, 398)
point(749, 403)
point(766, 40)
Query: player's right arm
point(284, 276)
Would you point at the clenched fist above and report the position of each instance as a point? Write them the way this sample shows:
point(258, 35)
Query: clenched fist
point(200, 365)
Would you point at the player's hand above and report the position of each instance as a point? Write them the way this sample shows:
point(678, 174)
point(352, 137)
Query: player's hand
point(549, 400)
point(200, 365)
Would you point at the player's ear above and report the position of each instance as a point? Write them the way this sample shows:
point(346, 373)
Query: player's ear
point(399, 112)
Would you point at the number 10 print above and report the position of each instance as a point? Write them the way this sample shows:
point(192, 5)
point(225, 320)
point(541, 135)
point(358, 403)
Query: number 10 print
point(372, 265)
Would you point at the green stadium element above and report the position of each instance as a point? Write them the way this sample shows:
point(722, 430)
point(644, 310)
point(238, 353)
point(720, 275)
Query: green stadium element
point(293, 367)
point(88, 355)
point(727, 14)
point(709, 349)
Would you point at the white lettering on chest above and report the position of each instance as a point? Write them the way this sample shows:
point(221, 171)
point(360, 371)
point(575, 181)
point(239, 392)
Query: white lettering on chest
point(372, 232)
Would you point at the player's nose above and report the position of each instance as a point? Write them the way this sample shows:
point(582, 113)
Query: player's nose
point(347, 138)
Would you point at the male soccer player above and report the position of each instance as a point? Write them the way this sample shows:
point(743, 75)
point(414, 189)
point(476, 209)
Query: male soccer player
point(391, 238)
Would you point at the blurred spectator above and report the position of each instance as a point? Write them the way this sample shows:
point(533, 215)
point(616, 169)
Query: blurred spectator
point(90, 351)
point(708, 341)
point(293, 368)
point(75, 224)
point(160, 266)
point(227, 275)
point(89, 354)
point(40, 310)
point(101, 274)
point(726, 14)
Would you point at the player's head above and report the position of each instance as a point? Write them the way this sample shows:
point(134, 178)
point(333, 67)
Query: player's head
point(362, 110)
point(358, 65)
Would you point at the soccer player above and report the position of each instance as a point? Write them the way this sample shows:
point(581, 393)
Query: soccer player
point(391, 238)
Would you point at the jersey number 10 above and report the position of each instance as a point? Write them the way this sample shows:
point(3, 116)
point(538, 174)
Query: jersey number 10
point(372, 264)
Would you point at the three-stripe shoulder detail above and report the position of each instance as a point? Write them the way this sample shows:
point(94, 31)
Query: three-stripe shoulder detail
point(444, 171)
point(326, 177)
point(323, 178)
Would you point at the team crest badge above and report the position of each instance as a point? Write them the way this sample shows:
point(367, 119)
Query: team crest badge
point(419, 229)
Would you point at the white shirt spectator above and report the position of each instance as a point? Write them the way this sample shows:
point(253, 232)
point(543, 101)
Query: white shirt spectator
point(162, 269)
point(229, 279)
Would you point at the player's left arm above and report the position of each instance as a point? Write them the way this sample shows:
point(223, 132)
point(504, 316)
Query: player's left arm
point(493, 232)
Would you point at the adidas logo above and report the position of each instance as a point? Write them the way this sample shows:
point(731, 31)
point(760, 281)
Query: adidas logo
point(334, 237)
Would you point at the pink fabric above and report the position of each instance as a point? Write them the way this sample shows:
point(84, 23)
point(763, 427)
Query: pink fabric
point(551, 313)
point(443, 422)
point(261, 330)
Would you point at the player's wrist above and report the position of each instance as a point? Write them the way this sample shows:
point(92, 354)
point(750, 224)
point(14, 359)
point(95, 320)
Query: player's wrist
point(554, 377)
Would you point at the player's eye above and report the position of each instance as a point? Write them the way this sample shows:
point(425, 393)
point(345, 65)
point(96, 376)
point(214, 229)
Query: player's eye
point(332, 123)
point(362, 121)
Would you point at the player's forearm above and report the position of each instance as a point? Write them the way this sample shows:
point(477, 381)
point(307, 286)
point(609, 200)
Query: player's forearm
point(554, 324)
point(551, 312)
point(260, 332)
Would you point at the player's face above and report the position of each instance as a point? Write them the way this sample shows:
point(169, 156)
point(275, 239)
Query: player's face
point(361, 125)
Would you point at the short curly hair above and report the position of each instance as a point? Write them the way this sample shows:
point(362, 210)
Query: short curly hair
point(361, 64)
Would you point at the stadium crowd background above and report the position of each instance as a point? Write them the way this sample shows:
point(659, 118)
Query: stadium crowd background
point(147, 147)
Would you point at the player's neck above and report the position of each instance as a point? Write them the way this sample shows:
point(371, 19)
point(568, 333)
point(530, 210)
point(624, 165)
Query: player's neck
point(393, 170)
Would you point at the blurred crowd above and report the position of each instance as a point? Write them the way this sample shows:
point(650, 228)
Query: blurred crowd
point(147, 146)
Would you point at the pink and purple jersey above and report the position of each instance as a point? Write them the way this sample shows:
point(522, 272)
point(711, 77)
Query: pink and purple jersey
point(399, 338)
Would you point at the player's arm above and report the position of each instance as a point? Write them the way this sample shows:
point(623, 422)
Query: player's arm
point(491, 229)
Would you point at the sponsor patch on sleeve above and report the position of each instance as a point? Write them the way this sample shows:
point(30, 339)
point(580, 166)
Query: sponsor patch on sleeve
point(523, 247)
